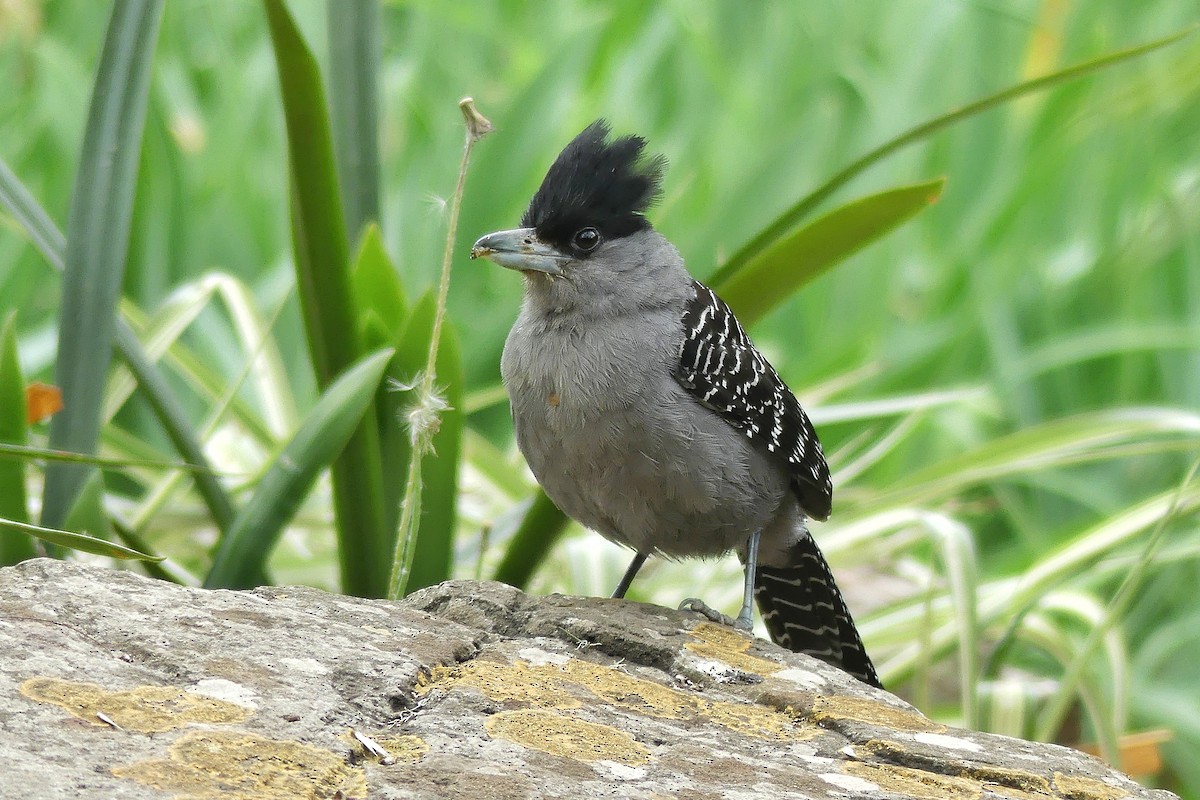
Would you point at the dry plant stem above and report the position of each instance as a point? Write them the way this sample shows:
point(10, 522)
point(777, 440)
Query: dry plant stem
point(424, 426)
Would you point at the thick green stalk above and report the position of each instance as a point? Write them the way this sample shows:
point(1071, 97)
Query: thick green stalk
point(322, 261)
point(97, 240)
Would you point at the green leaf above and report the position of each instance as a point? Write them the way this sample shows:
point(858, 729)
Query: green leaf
point(75, 541)
point(13, 431)
point(794, 215)
point(150, 380)
point(242, 555)
point(32, 217)
point(354, 45)
point(1082, 437)
point(541, 526)
point(318, 229)
point(97, 240)
point(27, 453)
point(327, 300)
point(87, 514)
point(174, 420)
point(377, 286)
point(794, 259)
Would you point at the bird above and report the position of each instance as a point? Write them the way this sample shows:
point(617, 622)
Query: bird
point(645, 411)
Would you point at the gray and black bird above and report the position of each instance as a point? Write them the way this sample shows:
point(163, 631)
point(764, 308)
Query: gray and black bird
point(645, 411)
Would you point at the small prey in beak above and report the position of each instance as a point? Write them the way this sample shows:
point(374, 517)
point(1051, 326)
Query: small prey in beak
point(520, 249)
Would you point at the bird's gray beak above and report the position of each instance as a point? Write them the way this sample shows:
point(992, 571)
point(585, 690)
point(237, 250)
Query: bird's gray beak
point(520, 249)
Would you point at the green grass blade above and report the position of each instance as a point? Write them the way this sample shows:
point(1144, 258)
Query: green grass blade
point(151, 381)
point(771, 276)
point(957, 551)
point(73, 541)
point(1080, 437)
point(87, 514)
point(97, 239)
point(327, 300)
point(178, 428)
point(26, 453)
point(1057, 708)
point(794, 215)
point(354, 47)
point(1003, 599)
point(494, 465)
point(542, 525)
point(242, 555)
point(377, 285)
point(13, 431)
point(32, 217)
point(318, 229)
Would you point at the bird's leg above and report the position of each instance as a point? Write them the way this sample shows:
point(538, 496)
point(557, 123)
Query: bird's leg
point(745, 617)
point(627, 578)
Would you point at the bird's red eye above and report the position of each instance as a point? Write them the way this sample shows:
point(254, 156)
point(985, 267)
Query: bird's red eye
point(586, 239)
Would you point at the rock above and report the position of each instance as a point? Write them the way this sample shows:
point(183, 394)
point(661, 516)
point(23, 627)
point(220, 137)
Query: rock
point(114, 685)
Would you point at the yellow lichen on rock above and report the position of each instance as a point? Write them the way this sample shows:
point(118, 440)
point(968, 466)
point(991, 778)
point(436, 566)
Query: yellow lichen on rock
point(914, 782)
point(552, 686)
point(844, 707)
point(1074, 787)
point(560, 735)
point(146, 709)
point(535, 685)
point(227, 765)
point(730, 646)
point(402, 748)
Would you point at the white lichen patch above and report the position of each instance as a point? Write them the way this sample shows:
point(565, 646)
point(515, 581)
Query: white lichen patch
point(851, 783)
point(540, 658)
point(805, 679)
point(228, 691)
point(947, 742)
point(305, 666)
point(620, 772)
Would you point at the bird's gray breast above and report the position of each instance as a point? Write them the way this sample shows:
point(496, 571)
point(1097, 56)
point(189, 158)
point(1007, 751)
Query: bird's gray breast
point(618, 444)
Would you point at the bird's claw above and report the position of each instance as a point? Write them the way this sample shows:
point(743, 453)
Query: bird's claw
point(700, 607)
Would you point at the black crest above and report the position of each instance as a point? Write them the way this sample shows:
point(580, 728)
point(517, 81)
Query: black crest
point(596, 183)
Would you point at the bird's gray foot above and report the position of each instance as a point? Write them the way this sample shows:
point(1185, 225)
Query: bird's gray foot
point(745, 619)
point(700, 607)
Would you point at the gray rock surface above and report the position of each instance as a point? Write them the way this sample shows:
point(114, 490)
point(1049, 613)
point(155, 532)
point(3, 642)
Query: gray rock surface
point(116, 686)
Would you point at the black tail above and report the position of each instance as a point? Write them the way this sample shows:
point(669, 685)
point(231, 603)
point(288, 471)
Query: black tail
point(804, 612)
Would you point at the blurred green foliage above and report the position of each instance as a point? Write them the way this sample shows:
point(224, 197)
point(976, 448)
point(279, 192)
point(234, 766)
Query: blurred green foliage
point(1058, 274)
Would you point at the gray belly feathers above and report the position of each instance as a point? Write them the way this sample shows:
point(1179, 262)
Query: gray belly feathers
point(621, 447)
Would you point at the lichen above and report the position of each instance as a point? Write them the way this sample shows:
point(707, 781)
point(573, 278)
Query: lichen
point(566, 686)
point(229, 765)
point(914, 782)
point(837, 708)
point(145, 709)
point(730, 646)
point(1077, 787)
point(561, 735)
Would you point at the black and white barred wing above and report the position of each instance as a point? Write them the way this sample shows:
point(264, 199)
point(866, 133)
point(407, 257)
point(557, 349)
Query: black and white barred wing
point(720, 366)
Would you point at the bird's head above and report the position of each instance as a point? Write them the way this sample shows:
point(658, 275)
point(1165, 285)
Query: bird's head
point(585, 232)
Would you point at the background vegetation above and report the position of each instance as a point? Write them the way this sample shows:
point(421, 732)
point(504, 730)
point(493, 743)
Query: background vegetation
point(1007, 385)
